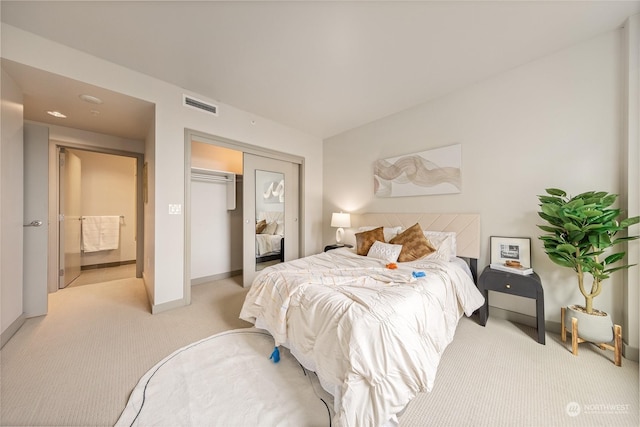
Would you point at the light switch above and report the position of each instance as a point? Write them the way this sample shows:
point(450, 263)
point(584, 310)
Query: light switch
point(175, 209)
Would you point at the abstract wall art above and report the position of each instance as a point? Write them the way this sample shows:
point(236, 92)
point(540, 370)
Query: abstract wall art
point(436, 171)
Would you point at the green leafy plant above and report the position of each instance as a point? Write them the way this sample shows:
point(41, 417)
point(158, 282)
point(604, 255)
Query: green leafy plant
point(580, 230)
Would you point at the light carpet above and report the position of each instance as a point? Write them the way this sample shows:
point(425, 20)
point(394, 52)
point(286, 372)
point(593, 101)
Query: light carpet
point(228, 379)
point(78, 365)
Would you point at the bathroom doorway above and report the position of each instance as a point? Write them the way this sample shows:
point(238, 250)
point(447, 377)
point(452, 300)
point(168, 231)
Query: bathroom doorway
point(98, 209)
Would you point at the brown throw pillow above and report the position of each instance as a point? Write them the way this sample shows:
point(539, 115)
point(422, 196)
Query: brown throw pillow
point(260, 226)
point(365, 239)
point(414, 244)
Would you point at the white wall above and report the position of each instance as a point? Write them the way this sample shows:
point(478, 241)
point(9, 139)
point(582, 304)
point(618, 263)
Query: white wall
point(166, 163)
point(11, 206)
point(81, 138)
point(216, 233)
point(631, 135)
point(148, 272)
point(555, 122)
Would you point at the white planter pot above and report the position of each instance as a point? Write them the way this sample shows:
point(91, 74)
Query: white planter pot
point(595, 328)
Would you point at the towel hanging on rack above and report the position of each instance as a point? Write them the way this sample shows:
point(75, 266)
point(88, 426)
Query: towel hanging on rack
point(100, 233)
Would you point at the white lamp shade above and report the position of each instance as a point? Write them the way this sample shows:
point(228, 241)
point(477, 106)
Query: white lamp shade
point(341, 220)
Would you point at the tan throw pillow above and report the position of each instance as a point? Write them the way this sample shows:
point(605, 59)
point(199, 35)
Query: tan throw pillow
point(414, 244)
point(270, 228)
point(365, 239)
point(261, 225)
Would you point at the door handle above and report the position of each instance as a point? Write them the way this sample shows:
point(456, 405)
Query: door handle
point(34, 223)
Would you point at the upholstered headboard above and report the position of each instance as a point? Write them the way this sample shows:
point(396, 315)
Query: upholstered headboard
point(271, 216)
point(465, 225)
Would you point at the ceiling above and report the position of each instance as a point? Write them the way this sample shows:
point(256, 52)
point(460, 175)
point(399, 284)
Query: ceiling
point(118, 115)
point(322, 67)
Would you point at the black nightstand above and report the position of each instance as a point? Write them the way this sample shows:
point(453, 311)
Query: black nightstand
point(528, 286)
point(336, 246)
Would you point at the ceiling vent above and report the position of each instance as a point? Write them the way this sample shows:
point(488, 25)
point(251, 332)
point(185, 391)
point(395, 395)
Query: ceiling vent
point(199, 105)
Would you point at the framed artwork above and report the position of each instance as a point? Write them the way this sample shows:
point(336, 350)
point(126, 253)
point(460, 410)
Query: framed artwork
point(505, 249)
point(437, 171)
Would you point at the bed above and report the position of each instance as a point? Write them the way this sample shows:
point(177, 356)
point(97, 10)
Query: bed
point(374, 334)
point(269, 236)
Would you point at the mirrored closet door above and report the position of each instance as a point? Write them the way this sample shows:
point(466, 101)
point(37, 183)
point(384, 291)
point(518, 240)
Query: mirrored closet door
point(270, 200)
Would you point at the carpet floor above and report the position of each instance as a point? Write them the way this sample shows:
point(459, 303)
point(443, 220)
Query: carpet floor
point(79, 365)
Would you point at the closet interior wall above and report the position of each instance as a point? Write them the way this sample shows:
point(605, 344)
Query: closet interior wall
point(216, 212)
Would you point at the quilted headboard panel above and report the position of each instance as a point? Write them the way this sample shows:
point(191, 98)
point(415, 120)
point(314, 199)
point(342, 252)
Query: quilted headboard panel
point(271, 216)
point(465, 225)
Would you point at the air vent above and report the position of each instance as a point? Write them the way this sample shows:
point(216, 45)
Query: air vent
point(200, 105)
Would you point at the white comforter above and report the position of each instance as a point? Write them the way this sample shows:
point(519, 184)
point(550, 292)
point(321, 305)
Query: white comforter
point(268, 243)
point(374, 336)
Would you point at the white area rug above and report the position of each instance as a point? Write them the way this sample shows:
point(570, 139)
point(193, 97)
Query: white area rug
point(228, 380)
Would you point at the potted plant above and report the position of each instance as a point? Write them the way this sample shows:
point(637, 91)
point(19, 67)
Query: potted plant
point(580, 231)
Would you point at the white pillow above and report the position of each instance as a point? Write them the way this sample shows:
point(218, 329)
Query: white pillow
point(445, 243)
point(384, 251)
point(389, 232)
point(280, 228)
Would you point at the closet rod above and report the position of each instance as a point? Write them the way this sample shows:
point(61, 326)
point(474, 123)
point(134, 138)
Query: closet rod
point(212, 178)
point(212, 175)
point(121, 217)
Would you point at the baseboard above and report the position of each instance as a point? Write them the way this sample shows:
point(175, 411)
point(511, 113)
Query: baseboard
point(107, 264)
point(553, 326)
point(147, 289)
point(12, 329)
point(206, 279)
point(629, 353)
point(169, 305)
point(165, 306)
point(513, 316)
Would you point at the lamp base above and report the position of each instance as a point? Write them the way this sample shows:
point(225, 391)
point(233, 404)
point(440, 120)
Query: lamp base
point(339, 235)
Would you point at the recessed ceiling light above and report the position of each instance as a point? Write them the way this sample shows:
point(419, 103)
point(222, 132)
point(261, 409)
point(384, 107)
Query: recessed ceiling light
point(57, 114)
point(91, 99)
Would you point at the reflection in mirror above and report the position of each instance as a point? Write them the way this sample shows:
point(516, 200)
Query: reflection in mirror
point(269, 218)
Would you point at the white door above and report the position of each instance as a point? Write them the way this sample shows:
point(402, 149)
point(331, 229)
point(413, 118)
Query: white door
point(36, 224)
point(69, 216)
point(254, 189)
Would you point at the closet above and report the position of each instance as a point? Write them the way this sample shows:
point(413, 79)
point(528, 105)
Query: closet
point(231, 187)
point(216, 212)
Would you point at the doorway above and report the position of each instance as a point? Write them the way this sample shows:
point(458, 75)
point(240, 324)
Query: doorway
point(244, 223)
point(99, 211)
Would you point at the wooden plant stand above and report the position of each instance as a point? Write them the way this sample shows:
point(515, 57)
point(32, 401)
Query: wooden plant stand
point(575, 339)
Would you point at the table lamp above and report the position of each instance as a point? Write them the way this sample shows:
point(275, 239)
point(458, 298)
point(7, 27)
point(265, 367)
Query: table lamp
point(340, 220)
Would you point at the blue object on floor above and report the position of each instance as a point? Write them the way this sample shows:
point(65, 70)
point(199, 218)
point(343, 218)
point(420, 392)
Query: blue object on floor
point(417, 274)
point(275, 355)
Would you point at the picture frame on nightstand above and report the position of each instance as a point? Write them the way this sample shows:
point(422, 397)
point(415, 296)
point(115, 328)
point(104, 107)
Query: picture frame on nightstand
point(511, 249)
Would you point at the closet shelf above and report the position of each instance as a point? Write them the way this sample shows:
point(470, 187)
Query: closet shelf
point(214, 176)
